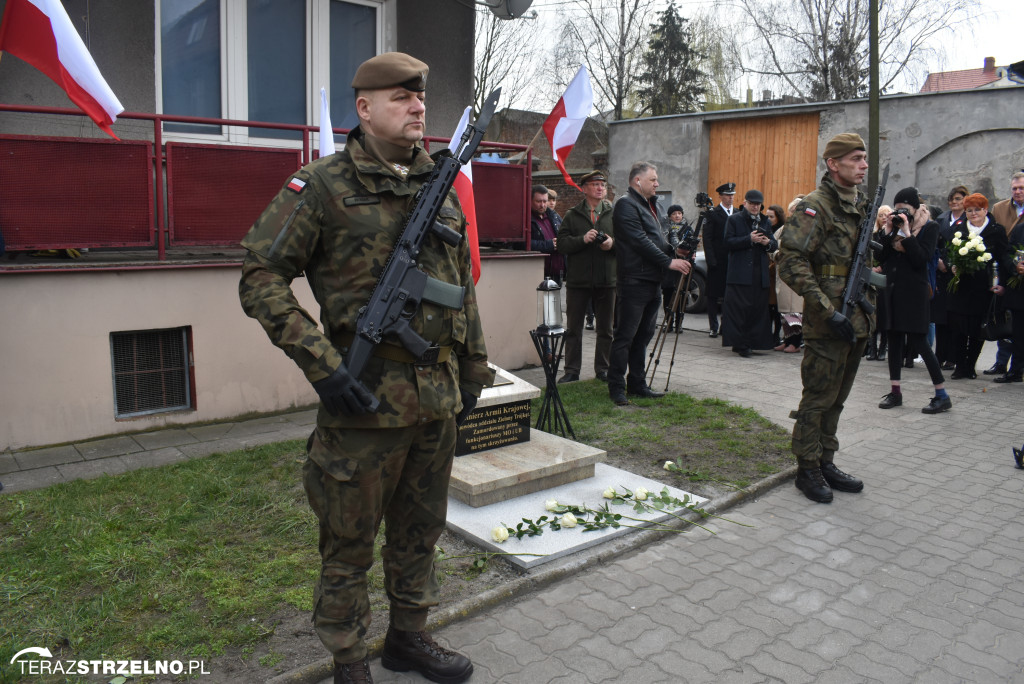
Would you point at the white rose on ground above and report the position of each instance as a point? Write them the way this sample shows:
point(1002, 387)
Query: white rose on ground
point(499, 533)
point(668, 465)
point(568, 520)
point(640, 494)
point(609, 493)
point(551, 504)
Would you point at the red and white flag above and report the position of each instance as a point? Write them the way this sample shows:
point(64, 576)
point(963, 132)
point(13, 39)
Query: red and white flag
point(563, 125)
point(40, 32)
point(464, 190)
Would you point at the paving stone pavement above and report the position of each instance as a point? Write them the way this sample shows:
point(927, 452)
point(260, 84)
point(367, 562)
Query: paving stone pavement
point(917, 579)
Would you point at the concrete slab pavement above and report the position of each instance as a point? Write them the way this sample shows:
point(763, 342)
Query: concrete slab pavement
point(917, 579)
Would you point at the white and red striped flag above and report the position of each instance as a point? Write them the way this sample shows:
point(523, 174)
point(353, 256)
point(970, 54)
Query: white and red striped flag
point(40, 32)
point(464, 190)
point(563, 125)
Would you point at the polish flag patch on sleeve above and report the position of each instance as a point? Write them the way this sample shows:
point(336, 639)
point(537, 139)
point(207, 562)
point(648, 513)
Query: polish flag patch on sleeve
point(296, 184)
point(810, 212)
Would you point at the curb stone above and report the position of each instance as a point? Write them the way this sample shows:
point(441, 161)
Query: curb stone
point(442, 617)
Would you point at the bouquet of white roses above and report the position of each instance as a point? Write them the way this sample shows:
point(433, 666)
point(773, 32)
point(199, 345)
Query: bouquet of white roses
point(966, 256)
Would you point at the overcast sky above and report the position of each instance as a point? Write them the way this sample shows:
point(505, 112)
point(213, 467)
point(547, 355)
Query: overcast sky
point(997, 32)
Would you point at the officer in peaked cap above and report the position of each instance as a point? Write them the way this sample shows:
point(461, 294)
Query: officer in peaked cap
point(336, 220)
point(716, 253)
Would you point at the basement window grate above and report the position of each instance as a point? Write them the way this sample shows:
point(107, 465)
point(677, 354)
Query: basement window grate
point(152, 371)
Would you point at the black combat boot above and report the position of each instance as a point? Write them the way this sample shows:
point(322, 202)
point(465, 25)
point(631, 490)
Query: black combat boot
point(353, 673)
point(811, 482)
point(837, 479)
point(404, 651)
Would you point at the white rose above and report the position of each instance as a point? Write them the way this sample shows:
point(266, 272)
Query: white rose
point(981, 259)
point(669, 465)
point(499, 533)
point(640, 494)
point(957, 241)
point(609, 493)
point(551, 504)
point(987, 256)
point(962, 251)
point(958, 234)
point(568, 520)
point(980, 247)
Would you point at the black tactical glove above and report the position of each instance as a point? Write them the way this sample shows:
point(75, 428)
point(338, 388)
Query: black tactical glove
point(841, 324)
point(343, 394)
point(468, 404)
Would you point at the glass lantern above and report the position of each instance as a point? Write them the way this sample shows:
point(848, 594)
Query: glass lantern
point(549, 308)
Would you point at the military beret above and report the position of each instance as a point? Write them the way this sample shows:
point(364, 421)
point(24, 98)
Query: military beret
point(754, 196)
point(594, 176)
point(842, 145)
point(674, 208)
point(908, 196)
point(726, 189)
point(390, 70)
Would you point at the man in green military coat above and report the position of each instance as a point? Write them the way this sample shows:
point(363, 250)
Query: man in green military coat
point(817, 249)
point(590, 274)
point(337, 220)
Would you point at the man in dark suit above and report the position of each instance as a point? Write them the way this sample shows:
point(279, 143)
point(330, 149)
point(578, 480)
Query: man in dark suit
point(716, 253)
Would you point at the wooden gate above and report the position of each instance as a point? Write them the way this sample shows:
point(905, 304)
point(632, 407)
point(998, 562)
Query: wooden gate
point(777, 155)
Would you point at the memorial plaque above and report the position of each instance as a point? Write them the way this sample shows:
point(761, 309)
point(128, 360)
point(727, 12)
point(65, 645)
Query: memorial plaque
point(498, 425)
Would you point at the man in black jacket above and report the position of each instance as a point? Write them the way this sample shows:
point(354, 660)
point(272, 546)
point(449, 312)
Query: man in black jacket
point(716, 254)
point(643, 258)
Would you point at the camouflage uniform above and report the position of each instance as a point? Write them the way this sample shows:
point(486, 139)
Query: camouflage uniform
point(815, 254)
point(337, 220)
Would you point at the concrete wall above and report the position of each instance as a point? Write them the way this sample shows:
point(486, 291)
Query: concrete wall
point(933, 141)
point(56, 368)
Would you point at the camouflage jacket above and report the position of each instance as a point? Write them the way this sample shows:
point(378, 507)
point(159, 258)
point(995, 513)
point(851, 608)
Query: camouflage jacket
point(822, 232)
point(337, 220)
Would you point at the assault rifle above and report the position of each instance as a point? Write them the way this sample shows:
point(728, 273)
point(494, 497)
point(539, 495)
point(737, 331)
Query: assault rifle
point(861, 275)
point(402, 286)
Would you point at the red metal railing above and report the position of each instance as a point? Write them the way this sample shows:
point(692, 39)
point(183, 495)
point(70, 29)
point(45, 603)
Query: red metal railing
point(65, 192)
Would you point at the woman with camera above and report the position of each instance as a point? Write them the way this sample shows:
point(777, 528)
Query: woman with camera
point(908, 243)
point(971, 293)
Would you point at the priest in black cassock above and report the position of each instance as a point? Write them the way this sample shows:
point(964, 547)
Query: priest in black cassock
point(746, 324)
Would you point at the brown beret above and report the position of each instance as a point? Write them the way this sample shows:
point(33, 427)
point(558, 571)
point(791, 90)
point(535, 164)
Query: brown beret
point(842, 145)
point(594, 176)
point(390, 70)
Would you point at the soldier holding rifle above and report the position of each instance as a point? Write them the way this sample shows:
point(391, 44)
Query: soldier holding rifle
point(385, 438)
point(818, 249)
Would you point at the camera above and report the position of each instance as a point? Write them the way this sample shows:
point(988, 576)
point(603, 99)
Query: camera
point(600, 237)
point(901, 215)
point(703, 200)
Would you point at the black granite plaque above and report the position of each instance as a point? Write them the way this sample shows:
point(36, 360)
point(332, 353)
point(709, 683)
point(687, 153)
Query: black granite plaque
point(494, 426)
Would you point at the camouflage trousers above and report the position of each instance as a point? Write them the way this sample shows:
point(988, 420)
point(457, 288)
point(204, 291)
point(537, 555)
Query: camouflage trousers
point(355, 478)
point(827, 371)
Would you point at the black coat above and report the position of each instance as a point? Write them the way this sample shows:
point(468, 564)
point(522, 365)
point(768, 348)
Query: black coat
point(907, 290)
point(1013, 297)
point(946, 230)
point(742, 251)
point(716, 254)
point(640, 249)
point(972, 295)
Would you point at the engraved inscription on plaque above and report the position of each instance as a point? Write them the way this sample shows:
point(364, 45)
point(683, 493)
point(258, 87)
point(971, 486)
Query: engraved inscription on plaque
point(494, 426)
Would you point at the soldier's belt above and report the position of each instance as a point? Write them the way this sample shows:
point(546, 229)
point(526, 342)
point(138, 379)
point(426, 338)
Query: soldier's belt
point(832, 271)
point(433, 355)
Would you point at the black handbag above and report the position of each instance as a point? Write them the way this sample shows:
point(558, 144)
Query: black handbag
point(998, 325)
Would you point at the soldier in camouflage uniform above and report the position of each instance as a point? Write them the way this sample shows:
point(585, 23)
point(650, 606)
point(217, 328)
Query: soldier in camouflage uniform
point(336, 220)
point(815, 255)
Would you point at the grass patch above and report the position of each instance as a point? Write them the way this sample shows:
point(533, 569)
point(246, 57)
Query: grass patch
point(186, 560)
point(713, 442)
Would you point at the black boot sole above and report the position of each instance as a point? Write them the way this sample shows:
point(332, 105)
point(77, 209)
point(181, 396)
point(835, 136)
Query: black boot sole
point(394, 664)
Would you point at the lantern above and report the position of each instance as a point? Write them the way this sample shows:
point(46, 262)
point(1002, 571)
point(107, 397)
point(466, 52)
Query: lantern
point(549, 308)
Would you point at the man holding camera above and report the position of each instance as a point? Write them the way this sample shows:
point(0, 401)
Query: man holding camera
point(586, 234)
point(815, 256)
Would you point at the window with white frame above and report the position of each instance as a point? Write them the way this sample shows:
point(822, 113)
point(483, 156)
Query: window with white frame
point(262, 60)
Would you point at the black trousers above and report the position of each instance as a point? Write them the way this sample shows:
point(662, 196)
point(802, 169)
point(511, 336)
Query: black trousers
point(916, 342)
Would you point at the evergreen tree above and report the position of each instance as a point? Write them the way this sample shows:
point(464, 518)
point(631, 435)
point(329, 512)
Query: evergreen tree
point(671, 81)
